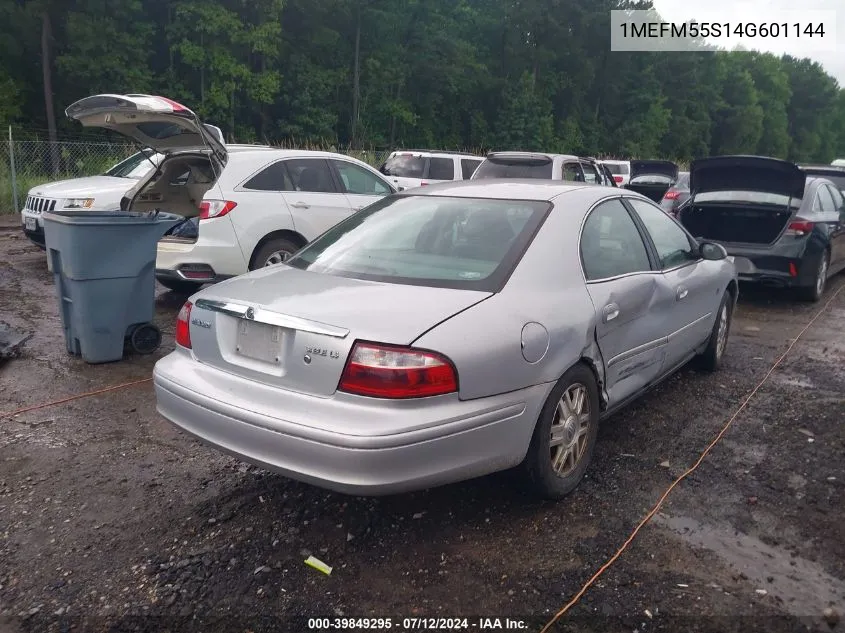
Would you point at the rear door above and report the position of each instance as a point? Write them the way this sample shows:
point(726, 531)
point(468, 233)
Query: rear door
point(695, 291)
point(630, 298)
point(316, 202)
point(361, 186)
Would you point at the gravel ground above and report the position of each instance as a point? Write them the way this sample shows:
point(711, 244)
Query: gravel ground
point(111, 520)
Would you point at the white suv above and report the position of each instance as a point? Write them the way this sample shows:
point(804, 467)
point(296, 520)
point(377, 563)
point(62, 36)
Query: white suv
point(265, 206)
point(417, 168)
point(539, 165)
point(621, 170)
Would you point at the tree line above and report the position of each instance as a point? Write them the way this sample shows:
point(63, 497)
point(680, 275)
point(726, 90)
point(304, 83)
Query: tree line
point(449, 74)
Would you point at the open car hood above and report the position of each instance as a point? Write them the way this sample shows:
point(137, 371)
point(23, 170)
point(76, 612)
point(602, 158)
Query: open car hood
point(747, 173)
point(654, 167)
point(155, 122)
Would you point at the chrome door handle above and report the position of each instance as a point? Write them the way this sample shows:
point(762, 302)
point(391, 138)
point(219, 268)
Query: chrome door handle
point(299, 205)
point(682, 293)
point(610, 312)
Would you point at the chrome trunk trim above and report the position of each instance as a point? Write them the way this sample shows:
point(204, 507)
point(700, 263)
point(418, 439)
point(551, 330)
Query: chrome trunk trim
point(269, 317)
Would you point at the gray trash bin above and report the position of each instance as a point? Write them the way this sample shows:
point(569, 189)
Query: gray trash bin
point(104, 268)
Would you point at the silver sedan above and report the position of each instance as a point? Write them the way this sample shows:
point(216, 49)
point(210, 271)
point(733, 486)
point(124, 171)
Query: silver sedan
point(449, 332)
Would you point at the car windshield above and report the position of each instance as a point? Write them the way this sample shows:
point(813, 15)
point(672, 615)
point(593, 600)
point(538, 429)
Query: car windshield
point(753, 197)
point(618, 169)
point(500, 168)
point(436, 241)
point(404, 166)
point(135, 166)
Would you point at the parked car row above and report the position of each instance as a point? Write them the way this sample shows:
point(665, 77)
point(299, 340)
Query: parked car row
point(397, 333)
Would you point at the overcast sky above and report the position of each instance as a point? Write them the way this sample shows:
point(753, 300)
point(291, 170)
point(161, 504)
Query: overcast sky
point(758, 11)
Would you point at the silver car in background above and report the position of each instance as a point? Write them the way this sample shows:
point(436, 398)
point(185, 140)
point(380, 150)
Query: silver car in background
point(446, 333)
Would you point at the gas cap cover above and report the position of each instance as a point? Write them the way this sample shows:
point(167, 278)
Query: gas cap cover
point(535, 342)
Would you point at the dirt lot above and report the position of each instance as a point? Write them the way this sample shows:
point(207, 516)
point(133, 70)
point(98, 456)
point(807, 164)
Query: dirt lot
point(111, 520)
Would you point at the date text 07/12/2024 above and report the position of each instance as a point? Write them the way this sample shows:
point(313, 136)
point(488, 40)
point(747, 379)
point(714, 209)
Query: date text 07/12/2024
point(659, 30)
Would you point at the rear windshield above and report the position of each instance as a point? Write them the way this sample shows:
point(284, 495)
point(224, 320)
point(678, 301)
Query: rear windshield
point(404, 166)
point(436, 241)
point(652, 179)
point(617, 169)
point(752, 197)
point(683, 179)
point(515, 169)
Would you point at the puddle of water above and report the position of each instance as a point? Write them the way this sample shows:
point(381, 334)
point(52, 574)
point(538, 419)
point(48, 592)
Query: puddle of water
point(805, 588)
point(803, 382)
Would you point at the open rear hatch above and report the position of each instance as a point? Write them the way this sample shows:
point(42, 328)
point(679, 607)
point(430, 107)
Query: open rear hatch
point(300, 340)
point(194, 153)
point(742, 199)
point(652, 178)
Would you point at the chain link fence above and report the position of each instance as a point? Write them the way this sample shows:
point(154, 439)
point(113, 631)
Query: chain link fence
point(25, 164)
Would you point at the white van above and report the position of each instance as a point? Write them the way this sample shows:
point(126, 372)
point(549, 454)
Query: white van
point(417, 168)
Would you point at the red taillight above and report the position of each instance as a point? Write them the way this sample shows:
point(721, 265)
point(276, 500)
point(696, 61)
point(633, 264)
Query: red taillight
point(617, 179)
point(793, 271)
point(671, 195)
point(177, 107)
point(386, 371)
point(183, 326)
point(423, 184)
point(799, 228)
point(215, 208)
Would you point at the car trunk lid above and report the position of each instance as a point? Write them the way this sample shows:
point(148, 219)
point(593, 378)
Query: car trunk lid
point(742, 199)
point(294, 329)
point(652, 178)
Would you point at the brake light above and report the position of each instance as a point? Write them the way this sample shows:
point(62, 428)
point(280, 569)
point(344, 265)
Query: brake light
point(177, 107)
point(671, 195)
point(799, 228)
point(617, 179)
point(793, 271)
point(387, 371)
point(423, 184)
point(183, 326)
point(215, 208)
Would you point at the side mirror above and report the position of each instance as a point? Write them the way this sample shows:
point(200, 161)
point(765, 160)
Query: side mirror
point(712, 251)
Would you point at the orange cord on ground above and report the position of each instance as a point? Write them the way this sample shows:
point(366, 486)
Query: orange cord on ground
point(78, 396)
point(687, 473)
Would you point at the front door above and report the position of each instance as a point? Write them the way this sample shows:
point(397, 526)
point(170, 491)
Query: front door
point(361, 186)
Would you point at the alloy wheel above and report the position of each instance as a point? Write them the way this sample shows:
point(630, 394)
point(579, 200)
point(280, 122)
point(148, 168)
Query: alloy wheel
point(570, 429)
point(276, 257)
point(722, 334)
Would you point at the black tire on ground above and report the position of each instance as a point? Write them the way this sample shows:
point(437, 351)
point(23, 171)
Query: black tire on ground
point(278, 245)
point(815, 292)
point(182, 287)
point(711, 358)
point(145, 339)
point(576, 437)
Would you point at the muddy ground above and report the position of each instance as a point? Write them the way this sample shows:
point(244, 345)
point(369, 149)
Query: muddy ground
point(112, 520)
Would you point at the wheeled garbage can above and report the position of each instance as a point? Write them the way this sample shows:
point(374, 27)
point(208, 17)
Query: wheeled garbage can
point(103, 265)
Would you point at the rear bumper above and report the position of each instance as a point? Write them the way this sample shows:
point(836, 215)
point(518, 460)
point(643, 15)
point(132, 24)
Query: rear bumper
point(485, 436)
point(216, 248)
point(776, 269)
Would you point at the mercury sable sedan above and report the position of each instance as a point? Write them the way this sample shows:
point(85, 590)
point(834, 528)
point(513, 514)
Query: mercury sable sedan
point(449, 332)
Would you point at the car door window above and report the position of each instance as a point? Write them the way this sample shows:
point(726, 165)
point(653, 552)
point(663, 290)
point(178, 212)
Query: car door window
point(468, 167)
point(611, 245)
point(310, 174)
point(572, 172)
point(441, 169)
point(590, 173)
point(671, 242)
point(274, 177)
point(358, 180)
point(838, 200)
point(826, 204)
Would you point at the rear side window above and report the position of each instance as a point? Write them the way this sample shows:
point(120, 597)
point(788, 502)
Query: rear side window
point(468, 167)
point(310, 174)
point(837, 200)
point(441, 169)
point(514, 169)
point(572, 172)
point(611, 245)
point(826, 200)
point(272, 178)
point(404, 166)
point(617, 169)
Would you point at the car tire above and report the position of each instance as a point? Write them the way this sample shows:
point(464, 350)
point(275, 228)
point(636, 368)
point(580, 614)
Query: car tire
point(179, 286)
point(554, 469)
point(277, 247)
point(815, 292)
point(711, 358)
